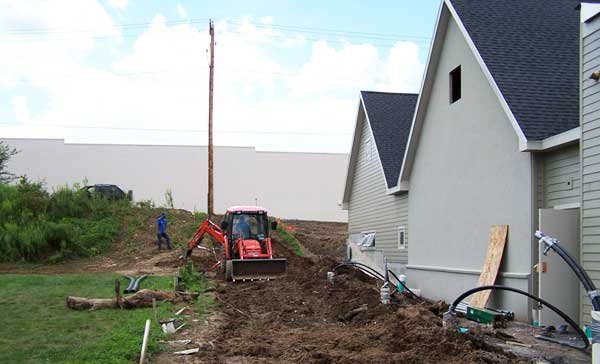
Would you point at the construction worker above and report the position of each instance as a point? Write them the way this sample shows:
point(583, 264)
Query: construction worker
point(241, 228)
point(161, 224)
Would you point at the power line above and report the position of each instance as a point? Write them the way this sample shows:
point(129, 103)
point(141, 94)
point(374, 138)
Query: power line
point(125, 26)
point(300, 29)
point(35, 33)
point(238, 21)
point(251, 132)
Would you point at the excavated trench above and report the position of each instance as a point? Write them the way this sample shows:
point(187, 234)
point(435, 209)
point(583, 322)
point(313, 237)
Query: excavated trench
point(301, 318)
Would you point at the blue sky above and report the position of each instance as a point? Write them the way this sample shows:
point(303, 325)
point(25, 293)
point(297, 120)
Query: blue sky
point(287, 77)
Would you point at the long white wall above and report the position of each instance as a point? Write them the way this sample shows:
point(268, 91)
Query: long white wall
point(291, 185)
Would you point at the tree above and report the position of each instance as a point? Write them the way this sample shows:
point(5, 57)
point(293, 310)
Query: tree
point(6, 152)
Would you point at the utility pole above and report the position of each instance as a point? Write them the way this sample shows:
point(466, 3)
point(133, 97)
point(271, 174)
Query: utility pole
point(210, 119)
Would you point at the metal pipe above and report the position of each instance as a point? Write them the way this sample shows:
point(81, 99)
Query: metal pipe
point(136, 284)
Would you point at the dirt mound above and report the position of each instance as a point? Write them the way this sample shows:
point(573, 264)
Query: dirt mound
point(302, 318)
point(321, 238)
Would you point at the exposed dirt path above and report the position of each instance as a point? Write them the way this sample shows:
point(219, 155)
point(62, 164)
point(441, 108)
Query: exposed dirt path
point(300, 319)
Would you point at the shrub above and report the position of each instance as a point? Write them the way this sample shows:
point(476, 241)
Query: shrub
point(68, 223)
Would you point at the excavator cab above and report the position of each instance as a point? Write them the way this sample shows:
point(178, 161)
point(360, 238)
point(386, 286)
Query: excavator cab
point(249, 245)
point(245, 234)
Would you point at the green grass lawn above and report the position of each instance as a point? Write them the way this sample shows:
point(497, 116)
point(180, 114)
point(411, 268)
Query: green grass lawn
point(37, 327)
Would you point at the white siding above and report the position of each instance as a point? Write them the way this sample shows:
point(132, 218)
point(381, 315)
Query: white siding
point(559, 177)
point(590, 159)
point(371, 208)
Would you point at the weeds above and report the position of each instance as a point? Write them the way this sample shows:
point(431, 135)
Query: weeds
point(38, 225)
point(283, 232)
point(191, 279)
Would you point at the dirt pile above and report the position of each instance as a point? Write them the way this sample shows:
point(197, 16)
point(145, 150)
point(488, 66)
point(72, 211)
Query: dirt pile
point(321, 238)
point(303, 319)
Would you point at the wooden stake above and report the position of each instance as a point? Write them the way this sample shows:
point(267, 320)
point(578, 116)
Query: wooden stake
point(145, 341)
point(118, 293)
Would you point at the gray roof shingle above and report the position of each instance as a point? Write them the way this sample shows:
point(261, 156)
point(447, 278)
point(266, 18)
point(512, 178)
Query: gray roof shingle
point(531, 48)
point(390, 116)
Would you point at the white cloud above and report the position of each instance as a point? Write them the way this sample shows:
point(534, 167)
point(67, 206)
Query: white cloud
point(21, 112)
point(181, 11)
point(162, 82)
point(118, 4)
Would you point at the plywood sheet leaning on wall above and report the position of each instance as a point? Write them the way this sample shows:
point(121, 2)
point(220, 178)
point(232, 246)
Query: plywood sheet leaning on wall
point(493, 258)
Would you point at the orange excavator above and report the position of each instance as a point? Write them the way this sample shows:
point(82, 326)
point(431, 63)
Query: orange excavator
point(245, 235)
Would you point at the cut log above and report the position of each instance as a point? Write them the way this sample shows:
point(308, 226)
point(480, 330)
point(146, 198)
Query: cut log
point(141, 298)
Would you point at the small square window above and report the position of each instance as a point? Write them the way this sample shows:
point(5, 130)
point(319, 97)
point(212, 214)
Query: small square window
point(455, 86)
point(402, 241)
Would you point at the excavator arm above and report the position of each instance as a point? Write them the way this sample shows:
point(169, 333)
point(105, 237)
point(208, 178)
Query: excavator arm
point(207, 227)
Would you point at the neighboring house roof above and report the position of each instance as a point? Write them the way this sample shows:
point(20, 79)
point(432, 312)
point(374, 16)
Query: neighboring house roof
point(390, 117)
point(531, 48)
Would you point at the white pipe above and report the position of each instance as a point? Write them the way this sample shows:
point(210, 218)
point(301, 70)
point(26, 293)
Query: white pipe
point(595, 347)
point(145, 341)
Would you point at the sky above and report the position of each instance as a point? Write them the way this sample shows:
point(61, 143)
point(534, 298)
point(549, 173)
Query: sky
point(287, 73)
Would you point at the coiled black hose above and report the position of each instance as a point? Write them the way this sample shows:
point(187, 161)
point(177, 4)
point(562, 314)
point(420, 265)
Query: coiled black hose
point(581, 274)
point(452, 310)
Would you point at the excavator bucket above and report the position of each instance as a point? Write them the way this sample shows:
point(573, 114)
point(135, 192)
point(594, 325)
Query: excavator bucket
point(255, 269)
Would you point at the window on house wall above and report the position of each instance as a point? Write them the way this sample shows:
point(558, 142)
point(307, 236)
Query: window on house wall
point(455, 86)
point(402, 241)
point(368, 239)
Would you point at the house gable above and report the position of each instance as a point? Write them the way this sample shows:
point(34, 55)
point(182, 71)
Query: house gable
point(388, 117)
point(360, 138)
point(370, 207)
point(563, 127)
point(468, 174)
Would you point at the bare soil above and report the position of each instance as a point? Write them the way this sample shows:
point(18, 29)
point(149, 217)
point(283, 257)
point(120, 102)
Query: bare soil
point(320, 238)
point(301, 318)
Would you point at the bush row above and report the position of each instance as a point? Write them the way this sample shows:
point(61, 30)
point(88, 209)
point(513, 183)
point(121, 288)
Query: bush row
point(37, 225)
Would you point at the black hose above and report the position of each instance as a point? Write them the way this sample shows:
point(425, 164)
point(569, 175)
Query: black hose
point(535, 298)
point(403, 285)
point(131, 281)
point(366, 268)
point(585, 279)
point(375, 273)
